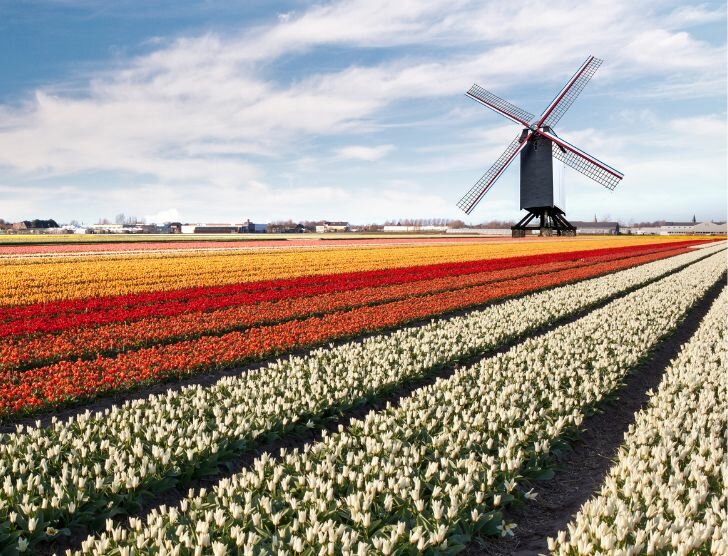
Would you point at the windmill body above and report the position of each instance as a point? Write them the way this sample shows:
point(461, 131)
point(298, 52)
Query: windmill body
point(538, 145)
point(537, 173)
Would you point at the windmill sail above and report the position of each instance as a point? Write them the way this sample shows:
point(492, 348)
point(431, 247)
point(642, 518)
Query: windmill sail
point(538, 145)
point(497, 104)
point(566, 97)
point(481, 187)
point(583, 162)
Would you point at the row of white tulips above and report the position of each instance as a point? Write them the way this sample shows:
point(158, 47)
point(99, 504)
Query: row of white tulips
point(73, 473)
point(668, 492)
point(427, 474)
point(706, 245)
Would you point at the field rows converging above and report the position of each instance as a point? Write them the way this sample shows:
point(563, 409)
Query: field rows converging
point(78, 472)
point(76, 379)
point(27, 280)
point(217, 371)
point(19, 246)
point(397, 326)
point(437, 468)
point(667, 491)
point(106, 332)
point(50, 317)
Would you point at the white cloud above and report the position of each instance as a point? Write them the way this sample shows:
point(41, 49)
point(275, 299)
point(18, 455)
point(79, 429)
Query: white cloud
point(362, 152)
point(708, 128)
point(695, 15)
point(169, 215)
point(206, 118)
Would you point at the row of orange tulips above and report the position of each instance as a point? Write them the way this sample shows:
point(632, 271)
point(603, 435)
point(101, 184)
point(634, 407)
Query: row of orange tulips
point(72, 381)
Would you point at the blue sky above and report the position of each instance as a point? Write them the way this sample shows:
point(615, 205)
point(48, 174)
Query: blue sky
point(355, 110)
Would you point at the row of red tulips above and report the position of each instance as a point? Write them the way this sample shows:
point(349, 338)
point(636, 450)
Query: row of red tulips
point(63, 315)
point(17, 353)
point(71, 382)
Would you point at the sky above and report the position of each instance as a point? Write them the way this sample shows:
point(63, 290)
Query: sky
point(224, 110)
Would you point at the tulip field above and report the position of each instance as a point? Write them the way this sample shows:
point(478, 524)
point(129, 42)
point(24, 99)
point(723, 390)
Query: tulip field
point(416, 392)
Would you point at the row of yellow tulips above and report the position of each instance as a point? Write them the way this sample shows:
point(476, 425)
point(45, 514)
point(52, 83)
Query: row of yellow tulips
point(33, 280)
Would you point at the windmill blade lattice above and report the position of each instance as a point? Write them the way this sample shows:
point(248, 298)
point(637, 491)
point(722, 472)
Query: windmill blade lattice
point(598, 173)
point(472, 197)
point(566, 97)
point(503, 107)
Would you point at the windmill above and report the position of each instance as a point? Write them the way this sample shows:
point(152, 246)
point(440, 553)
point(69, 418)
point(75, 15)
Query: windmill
point(539, 145)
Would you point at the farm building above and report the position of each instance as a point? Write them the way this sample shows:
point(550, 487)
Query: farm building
point(710, 228)
point(211, 228)
point(596, 228)
point(332, 227)
point(414, 229)
point(677, 228)
point(252, 228)
point(246, 227)
point(34, 225)
point(689, 228)
point(115, 229)
point(484, 231)
point(285, 228)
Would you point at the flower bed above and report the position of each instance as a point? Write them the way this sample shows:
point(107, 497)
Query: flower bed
point(429, 473)
point(112, 457)
point(169, 324)
point(50, 317)
point(74, 381)
point(667, 491)
point(33, 280)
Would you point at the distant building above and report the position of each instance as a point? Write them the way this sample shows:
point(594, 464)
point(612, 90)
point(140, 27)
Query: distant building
point(211, 228)
point(332, 227)
point(252, 228)
point(596, 228)
point(642, 231)
point(680, 228)
point(676, 228)
point(484, 231)
point(34, 224)
point(411, 229)
point(246, 227)
point(35, 227)
point(286, 228)
point(710, 228)
point(111, 229)
point(690, 228)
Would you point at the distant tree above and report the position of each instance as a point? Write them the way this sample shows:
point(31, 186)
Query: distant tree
point(38, 223)
point(104, 221)
point(119, 218)
point(457, 224)
point(652, 224)
point(495, 224)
